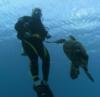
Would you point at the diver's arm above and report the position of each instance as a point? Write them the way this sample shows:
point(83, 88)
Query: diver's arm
point(42, 29)
point(60, 41)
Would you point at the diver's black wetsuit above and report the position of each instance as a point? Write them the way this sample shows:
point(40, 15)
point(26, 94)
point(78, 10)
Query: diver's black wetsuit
point(33, 45)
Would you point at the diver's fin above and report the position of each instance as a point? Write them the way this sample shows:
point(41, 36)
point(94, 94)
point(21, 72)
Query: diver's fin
point(89, 76)
point(43, 91)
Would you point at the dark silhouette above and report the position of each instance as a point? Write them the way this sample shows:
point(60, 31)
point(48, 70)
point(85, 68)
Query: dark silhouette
point(32, 34)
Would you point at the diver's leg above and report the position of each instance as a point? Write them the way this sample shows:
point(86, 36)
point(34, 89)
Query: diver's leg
point(46, 65)
point(45, 69)
point(33, 57)
point(34, 67)
point(44, 55)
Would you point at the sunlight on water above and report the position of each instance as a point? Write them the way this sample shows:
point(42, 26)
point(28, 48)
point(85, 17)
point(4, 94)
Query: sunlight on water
point(81, 20)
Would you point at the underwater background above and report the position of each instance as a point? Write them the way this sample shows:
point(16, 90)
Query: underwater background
point(80, 18)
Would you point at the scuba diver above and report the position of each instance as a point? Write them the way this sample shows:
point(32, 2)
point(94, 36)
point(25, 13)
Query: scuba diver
point(77, 55)
point(32, 34)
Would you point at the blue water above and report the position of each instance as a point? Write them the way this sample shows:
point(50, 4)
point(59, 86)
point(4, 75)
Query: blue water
point(80, 18)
